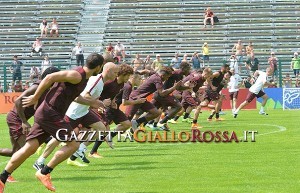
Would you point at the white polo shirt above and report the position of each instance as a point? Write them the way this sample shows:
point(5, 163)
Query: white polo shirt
point(94, 87)
point(234, 83)
point(259, 83)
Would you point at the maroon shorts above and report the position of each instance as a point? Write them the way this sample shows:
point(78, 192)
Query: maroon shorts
point(211, 95)
point(233, 95)
point(252, 96)
point(15, 125)
point(188, 100)
point(47, 123)
point(132, 109)
point(178, 94)
point(165, 102)
point(85, 121)
point(115, 115)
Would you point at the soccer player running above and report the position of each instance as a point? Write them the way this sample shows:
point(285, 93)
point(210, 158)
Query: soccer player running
point(256, 90)
point(112, 113)
point(152, 84)
point(81, 114)
point(17, 119)
point(212, 94)
point(169, 100)
point(49, 117)
point(234, 84)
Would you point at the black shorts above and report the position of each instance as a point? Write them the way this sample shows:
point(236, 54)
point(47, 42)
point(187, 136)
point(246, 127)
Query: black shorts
point(252, 96)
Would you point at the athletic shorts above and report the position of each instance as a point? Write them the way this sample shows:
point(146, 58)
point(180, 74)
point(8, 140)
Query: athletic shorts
point(15, 125)
point(85, 121)
point(233, 95)
point(165, 102)
point(132, 109)
point(188, 100)
point(211, 95)
point(115, 115)
point(251, 96)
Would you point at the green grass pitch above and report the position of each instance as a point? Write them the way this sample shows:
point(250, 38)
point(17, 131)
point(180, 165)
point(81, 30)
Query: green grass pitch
point(271, 164)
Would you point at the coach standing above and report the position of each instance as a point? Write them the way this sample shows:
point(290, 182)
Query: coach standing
point(78, 50)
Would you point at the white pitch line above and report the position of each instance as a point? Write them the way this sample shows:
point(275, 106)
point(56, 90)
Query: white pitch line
point(281, 128)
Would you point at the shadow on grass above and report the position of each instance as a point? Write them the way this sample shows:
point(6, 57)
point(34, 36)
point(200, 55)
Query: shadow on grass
point(143, 155)
point(83, 178)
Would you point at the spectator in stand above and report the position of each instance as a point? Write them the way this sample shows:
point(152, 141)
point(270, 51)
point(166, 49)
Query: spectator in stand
point(272, 61)
point(15, 69)
point(238, 50)
point(120, 51)
point(272, 84)
point(78, 51)
point(157, 63)
point(37, 47)
point(18, 86)
point(1, 88)
point(249, 49)
point(46, 63)
point(44, 28)
point(176, 61)
point(10, 88)
point(148, 62)
point(34, 73)
point(209, 16)
point(234, 64)
point(247, 82)
point(252, 64)
point(138, 63)
point(110, 49)
point(26, 86)
point(205, 53)
point(297, 84)
point(287, 81)
point(195, 60)
point(295, 65)
point(185, 58)
point(54, 28)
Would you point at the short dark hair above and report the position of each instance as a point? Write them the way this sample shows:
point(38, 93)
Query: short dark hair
point(49, 70)
point(15, 56)
point(94, 60)
point(225, 66)
point(229, 73)
point(167, 70)
point(185, 65)
point(125, 69)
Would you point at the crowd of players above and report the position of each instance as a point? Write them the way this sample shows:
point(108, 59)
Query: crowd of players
point(84, 98)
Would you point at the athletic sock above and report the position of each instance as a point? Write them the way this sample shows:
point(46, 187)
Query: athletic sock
point(4, 175)
point(41, 160)
point(262, 109)
point(73, 158)
point(141, 120)
point(165, 119)
point(211, 115)
point(96, 146)
point(176, 118)
point(82, 147)
point(151, 122)
point(186, 115)
point(217, 115)
point(155, 124)
point(46, 170)
point(195, 121)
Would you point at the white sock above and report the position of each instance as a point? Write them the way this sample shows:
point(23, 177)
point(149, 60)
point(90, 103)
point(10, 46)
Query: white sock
point(41, 160)
point(236, 111)
point(82, 147)
point(262, 109)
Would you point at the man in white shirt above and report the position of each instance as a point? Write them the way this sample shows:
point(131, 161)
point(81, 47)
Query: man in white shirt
point(234, 64)
point(81, 114)
point(120, 51)
point(233, 85)
point(256, 90)
point(78, 51)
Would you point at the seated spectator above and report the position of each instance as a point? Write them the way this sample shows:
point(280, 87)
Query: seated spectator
point(148, 62)
point(1, 88)
point(34, 73)
point(209, 17)
point(138, 63)
point(37, 47)
point(247, 82)
point(10, 88)
point(249, 49)
point(297, 84)
point(205, 53)
point(185, 58)
point(120, 51)
point(54, 28)
point(287, 81)
point(272, 61)
point(26, 86)
point(157, 63)
point(46, 63)
point(78, 51)
point(195, 60)
point(295, 65)
point(18, 86)
point(110, 49)
point(252, 64)
point(272, 84)
point(175, 62)
point(44, 28)
point(234, 64)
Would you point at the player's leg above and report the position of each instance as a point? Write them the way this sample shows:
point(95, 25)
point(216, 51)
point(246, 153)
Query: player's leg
point(263, 104)
point(9, 152)
point(152, 113)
